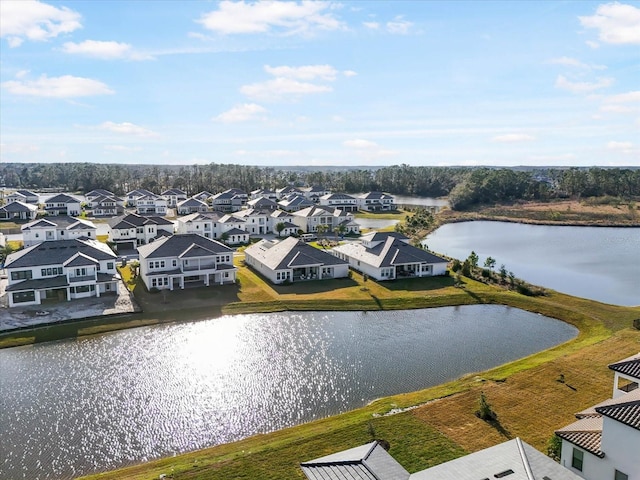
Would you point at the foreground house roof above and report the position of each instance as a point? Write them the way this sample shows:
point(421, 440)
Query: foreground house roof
point(512, 460)
point(17, 207)
point(62, 198)
point(367, 462)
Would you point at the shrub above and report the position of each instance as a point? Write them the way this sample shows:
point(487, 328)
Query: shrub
point(554, 447)
point(636, 323)
point(456, 265)
point(485, 412)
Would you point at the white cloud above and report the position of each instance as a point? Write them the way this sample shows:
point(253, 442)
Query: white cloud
point(288, 82)
point(616, 23)
point(622, 103)
point(592, 44)
point(241, 113)
point(127, 128)
point(582, 87)
point(371, 25)
point(103, 50)
point(399, 26)
point(280, 88)
point(572, 62)
point(513, 138)
point(359, 143)
point(66, 86)
point(282, 17)
point(349, 73)
point(306, 72)
point(36, 21)
point(619, 145)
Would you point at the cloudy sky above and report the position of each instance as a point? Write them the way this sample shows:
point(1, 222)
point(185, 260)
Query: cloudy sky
point(321, 83)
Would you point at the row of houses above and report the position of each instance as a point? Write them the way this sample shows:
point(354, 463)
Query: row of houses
point(23, 204)
point(603, 444)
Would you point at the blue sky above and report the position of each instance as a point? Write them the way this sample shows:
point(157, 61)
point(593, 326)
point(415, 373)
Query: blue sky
point(321, 83)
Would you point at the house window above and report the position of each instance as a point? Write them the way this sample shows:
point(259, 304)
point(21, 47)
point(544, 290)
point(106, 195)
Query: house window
point(23, 297)
point(22, 275)
point(110, 266)
point(576, 460)
point(620, 476)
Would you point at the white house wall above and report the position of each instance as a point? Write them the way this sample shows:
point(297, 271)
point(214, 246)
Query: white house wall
point(621, 445)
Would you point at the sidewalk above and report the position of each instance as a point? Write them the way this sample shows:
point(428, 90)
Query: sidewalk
point(27, 316)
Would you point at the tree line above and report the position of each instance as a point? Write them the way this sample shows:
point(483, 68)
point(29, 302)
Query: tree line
point(465, 187)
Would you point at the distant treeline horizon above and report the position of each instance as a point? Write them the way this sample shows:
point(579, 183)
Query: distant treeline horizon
point(463, 186)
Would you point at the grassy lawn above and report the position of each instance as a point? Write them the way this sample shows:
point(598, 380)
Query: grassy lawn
point(395, 215)
point(443, 425)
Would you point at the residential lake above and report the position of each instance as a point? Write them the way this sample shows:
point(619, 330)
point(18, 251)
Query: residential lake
point(74, 407)
point(599, 263)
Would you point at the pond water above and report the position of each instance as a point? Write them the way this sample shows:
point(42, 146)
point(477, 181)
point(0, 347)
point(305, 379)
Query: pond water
point(375, 223)
point(78, 406)
point(599, 263)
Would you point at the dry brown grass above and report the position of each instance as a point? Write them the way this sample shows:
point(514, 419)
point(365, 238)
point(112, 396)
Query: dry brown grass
point(532, 404)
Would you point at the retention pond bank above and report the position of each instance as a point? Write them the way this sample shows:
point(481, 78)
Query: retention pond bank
point(77, 406)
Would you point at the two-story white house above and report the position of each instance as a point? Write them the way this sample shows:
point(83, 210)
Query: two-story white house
point(151, 205)
point(376, 202)
point(63, 204)
point(340, 200)
point(286, 219)
point(131, 230)
point(310, 218)
point(174, 196)
point(186, 260)
point(604, 443)
point(134, 195)
point(203, 223)
point(256, 221)
point(230, 200)
point(388, 255)
point(60, 270)
point(61, 227)
point(106, 206)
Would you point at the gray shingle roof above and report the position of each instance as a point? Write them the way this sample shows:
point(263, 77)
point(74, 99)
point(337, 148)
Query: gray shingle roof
point(39, 284)
point(61, 222)
point(58, 252)
point(392, 252)
point(132, 220)
point(629, 366)
point(16, 207)
point(177, 245)
point(290, 253)
point(192, 202)
point(62, 198)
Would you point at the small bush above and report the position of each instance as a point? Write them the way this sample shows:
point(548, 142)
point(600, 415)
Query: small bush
point(636, 324)
point(456, 266)
point(554, 447)
point(485, 412)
